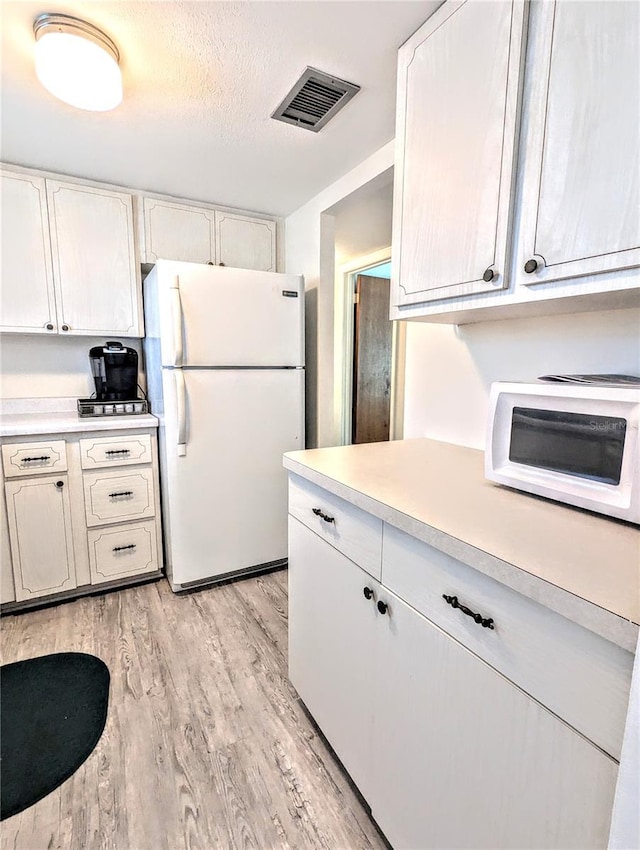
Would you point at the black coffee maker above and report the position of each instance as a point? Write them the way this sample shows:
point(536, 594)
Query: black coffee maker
point(115, 371)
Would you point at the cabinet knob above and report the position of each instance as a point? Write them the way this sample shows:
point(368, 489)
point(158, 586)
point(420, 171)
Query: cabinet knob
point(368, 593)
point(530, 266)
point(221, 264)
point(382, 606)
point(489, 275)
point(210, 263)
point(66, 328)
point(59, 484)
point(49, 326)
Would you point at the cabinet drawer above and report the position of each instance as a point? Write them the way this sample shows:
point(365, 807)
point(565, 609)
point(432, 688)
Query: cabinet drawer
point(34, 458)
point(115, 451)
point(116, 497)
point(355, 533)
point(121, 551)
point(578, 675)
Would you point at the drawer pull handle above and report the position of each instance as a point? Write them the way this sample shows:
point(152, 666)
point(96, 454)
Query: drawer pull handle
point(59, 484)
point(382, 607)
point(124, 493)
point(32, 459)
point(118, 452)
point(368, 593)
point(123, 548)
point(485, 622)
point(325, 517)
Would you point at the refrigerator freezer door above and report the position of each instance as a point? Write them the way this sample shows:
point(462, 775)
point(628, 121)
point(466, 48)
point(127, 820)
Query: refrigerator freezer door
point(225, 499)
point(213, 316)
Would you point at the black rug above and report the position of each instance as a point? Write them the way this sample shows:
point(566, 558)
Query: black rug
point(52, 713)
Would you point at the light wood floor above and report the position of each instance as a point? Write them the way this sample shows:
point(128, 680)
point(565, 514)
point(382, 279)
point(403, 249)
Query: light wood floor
point(206, 746)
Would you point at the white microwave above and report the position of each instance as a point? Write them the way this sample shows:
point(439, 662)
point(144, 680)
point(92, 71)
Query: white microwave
point(573, 443)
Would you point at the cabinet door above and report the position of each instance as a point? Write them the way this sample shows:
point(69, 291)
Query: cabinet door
point(7, 589)
point(39, 514)
point(28, 304)
point(463, 758)
point(457, 105)
point(332, 630)
point(581, 184)
point(94, 260)
point(245, 243)
point(178, 232)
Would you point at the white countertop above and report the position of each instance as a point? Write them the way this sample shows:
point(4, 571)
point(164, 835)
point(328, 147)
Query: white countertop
point(25, 417)
point(584, 566)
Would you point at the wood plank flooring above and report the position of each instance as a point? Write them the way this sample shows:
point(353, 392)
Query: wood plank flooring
point(207, 745)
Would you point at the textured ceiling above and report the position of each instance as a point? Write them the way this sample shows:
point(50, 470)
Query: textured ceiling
point(200, 82)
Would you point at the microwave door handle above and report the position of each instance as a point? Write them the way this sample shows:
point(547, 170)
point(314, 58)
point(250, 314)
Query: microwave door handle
point(181, 412)
point(176, 311)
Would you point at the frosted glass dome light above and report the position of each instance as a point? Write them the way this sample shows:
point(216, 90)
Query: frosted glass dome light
point(77, 62)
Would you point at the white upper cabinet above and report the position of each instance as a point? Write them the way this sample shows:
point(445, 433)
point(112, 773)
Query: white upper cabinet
point(174, 231)
point(94, 260)
point(458, 83)
point(245, 243)
point(581, 181)
point(178, 232)
point(27, 303)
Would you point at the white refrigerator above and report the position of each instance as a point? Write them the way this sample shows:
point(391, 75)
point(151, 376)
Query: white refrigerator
point(224, 357)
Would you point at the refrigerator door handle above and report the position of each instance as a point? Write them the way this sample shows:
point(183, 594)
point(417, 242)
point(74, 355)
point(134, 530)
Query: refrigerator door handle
point(176, 309)
point(181, 412)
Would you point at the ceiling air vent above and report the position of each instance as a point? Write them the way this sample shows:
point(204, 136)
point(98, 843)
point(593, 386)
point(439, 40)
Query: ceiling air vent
point(314, 100)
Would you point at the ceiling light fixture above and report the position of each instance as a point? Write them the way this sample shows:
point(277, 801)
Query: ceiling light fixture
point(77, 62)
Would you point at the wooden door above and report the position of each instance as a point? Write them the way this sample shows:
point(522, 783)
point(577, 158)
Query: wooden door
point(581, 183)
point(372, 354)
point(245, 243)
point(39, 514)
point(27, 303)
point(464, 758)
point(94, 260)
point(457, 111)
point(178, 232)
point(332, 629)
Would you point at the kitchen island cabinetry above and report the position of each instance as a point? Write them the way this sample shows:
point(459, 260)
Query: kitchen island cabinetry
point(199, 234)
point(564, 235)
point(463, 758)
point(474, 701)
point(82, 505)
point(332, 624)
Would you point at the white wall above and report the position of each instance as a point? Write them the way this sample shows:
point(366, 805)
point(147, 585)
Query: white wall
point(363, 219)
point(449, 369)
point(49, 366)
point(310, 250)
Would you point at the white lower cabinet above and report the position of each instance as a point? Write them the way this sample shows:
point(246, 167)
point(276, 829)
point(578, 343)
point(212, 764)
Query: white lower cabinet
point(39, 514)
point(122, 550)
point(71, 522)
point(463, 758)
point(331, 646)
point(447, 751)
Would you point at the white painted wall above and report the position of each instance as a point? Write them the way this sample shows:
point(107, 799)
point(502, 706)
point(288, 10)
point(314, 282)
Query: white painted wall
point(47, 367)
point(363, 220)
point(310, 242)
point(449, 369)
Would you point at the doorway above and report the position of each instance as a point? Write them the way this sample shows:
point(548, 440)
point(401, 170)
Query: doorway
point(373, 353)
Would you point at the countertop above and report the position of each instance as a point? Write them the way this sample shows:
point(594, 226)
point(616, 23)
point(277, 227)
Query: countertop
point(25, 417)
point(584, 566)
